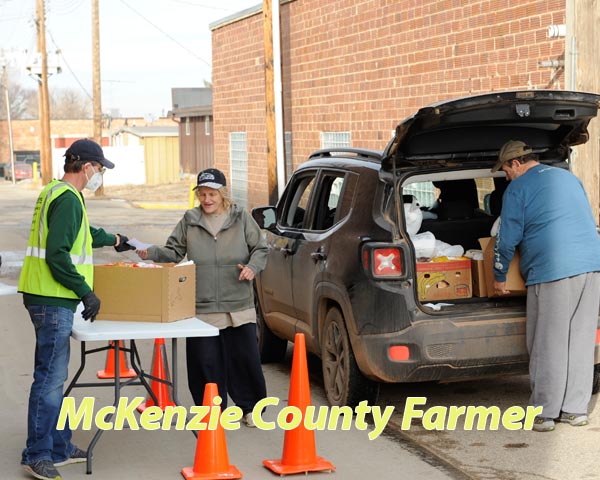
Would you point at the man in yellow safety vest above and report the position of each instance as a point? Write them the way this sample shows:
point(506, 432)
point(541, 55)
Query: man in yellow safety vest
point(57, 274)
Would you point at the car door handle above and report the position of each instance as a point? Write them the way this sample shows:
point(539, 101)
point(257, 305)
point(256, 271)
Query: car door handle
point(318, 256)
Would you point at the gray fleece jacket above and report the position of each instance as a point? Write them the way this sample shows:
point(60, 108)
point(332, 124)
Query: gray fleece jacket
point(240, 241)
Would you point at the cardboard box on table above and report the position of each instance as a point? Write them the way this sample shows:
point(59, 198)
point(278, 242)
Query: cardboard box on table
point(446, 280)
point(514, 279)
point(136, 294)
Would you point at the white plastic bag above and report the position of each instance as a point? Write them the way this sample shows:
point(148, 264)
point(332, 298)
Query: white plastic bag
point(424, 244)
point(474, 254)
point(413, 217)
point(443, 249)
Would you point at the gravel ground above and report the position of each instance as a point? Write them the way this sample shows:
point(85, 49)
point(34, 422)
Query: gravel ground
point(170, 192)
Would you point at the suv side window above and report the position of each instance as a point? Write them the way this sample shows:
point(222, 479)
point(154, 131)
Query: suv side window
point(330, 196)
point(295, 208)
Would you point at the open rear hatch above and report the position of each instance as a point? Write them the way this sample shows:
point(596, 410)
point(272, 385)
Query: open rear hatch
point(473, 129)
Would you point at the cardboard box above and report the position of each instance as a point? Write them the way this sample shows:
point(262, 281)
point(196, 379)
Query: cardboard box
point(447, 280)
point(135, 294)
point(478, 277)
point(514, 279)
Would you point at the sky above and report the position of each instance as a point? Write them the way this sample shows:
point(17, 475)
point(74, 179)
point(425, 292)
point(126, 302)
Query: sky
point(147, 47)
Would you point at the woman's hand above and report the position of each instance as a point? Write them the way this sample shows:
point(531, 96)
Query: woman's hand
point(143, 254)
point(246, 273)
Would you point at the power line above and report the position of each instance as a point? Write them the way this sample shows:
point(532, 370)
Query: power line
point(64, 7)
point(59, 51)
point(210, 7)
point(165, 33)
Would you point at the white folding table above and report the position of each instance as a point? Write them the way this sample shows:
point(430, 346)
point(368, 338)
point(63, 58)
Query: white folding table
point(115, 331)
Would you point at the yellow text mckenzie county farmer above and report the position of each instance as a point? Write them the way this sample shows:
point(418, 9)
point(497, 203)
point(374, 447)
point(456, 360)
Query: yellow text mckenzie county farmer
point(200, 417)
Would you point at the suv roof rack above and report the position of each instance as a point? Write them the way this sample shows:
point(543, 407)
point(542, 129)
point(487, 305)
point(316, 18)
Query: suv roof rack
point(361, 153)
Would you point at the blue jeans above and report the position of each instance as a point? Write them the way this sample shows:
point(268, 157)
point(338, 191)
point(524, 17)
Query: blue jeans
point(52, 350)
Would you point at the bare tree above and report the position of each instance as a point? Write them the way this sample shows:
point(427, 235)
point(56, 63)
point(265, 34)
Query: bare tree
point(23, 99)
point(69, 104)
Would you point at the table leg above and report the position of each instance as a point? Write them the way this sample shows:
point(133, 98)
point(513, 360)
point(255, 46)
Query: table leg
point(174, 369)
point(134, 359)
point(96, 437)
point(174, 377)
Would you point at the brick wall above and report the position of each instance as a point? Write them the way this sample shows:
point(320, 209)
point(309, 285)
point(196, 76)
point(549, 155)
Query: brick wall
point(26, 133)
point(364, 65)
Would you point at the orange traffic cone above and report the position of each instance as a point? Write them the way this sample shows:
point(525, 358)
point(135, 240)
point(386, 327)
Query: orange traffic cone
point(299, 450)
point(160, 370)
point(211, 460)
point(109, 369)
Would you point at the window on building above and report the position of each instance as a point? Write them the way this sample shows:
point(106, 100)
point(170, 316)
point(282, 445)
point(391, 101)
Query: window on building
point(207, 126)
point(187, 126)
point(423, 191)
point(335, 140)
point(238, 157)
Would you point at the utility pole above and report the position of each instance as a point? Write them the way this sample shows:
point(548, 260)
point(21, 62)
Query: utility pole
point(44, 101)
point(8, 119)
point(96, 82)
point(270, 103)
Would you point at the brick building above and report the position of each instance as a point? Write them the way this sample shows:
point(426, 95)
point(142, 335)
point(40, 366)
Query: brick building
point(352, 69)
point(26, 133)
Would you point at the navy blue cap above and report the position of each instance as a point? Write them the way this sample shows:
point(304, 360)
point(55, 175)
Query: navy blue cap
point(87, 150)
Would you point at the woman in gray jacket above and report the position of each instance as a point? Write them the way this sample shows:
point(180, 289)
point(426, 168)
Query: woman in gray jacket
point(228, 249)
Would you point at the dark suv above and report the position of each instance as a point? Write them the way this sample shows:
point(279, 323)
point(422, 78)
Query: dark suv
point(342, 268)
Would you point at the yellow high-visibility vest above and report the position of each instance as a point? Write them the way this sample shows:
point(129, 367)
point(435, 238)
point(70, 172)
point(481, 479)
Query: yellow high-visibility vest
point(36, 277)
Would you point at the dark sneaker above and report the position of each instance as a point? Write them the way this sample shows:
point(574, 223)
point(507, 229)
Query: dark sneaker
point(43, 469)
point(542, 424)
point(78, 456)
point(574, 419)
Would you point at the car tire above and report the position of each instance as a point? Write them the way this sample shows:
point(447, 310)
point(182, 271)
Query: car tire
point(596, 382)
point(270, 346)
point(343, 382)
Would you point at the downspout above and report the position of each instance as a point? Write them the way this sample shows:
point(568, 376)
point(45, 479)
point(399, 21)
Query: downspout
point(573, 62)
point(279, 143)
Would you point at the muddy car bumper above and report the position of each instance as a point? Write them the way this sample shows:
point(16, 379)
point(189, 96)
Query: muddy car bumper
point(435, 350)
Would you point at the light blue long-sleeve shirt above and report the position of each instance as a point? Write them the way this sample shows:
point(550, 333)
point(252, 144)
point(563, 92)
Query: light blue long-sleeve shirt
point(547, 215)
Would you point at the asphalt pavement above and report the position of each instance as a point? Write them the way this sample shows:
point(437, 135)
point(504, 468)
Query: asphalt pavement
point(568, 453)
point(154, 455)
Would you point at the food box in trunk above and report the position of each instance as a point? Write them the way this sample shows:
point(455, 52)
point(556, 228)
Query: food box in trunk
point(444, 280)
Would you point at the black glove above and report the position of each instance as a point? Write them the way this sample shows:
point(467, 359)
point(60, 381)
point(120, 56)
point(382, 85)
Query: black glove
point(92, 305)
point(123, 246)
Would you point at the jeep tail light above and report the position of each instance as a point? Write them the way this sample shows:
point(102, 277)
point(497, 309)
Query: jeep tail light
point(399, 353)
point(598, 336)
point(387, 262)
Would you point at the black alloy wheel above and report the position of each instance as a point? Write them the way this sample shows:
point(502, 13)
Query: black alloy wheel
point(344, 383)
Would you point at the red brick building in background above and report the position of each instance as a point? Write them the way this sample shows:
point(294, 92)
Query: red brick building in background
point(26, 133)
point(353, 69)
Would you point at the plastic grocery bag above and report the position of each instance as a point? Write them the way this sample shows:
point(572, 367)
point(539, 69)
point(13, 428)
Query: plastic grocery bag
point(443, 249)
point(424, 244)
point(413, 217)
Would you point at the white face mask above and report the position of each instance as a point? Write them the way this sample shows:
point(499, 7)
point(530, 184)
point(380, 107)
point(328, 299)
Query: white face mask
point(94, 183)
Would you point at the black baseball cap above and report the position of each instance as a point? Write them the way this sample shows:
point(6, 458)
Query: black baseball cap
point(87, 150)
point(211, 178)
